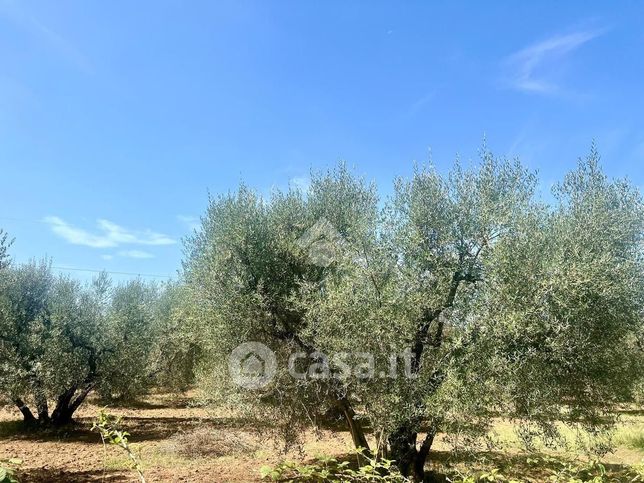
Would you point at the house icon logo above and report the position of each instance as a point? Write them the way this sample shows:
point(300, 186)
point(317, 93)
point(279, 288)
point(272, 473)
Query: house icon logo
point(252, 365)
point(322, 243)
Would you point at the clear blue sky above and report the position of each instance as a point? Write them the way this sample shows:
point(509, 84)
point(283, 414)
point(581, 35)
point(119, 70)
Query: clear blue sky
point(117, 117)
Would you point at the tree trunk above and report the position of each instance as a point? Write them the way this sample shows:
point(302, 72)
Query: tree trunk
point(61, 415)
point(67, 405)
point(41, 406)
point(402, 445)
point(423, 454)
point(410, 460)
point(80, 399)
point(355, 427)
point(27, 415)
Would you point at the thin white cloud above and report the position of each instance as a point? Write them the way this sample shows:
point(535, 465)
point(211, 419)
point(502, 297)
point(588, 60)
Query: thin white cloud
point(192, 222)
point(420, 103)
point(530, 69)
point(135, 254)
point(106, 256)
point(20, 15)
point(110, 234)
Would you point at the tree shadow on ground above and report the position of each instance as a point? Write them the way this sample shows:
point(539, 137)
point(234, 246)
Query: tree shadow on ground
point(18, 430)
point(141, 429)
point(630, 411)
point(175, 402)
point(46, 475)
point(152, 429)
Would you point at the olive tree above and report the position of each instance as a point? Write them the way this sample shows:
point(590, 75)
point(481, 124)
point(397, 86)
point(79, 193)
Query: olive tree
point(246, 272)
point(417, 289)
point(50, 341)
point(60, 340)
point(129, 331)
point(149, 339)
point(568, 310)
point(175, 351)
point(507, 305)
point(492, 301)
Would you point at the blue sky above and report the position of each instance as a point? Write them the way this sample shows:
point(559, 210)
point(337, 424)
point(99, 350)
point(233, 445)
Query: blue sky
point(117, 118)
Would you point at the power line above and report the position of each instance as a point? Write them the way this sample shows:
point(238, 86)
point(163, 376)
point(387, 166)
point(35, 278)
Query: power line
point(22, 220)
point(112, 272)
point(89, 270)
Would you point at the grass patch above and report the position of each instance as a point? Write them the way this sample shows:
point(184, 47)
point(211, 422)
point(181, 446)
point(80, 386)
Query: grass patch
point(117, 463)
point(211, 442)
point(631, 437)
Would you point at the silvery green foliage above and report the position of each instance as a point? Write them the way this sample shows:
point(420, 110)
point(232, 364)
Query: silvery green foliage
point(50, 337)
point(175, 349)
point(532, 310)
point(129, 325)
point(5, 243)
point(417, 287)
point(149, 344)
point(508, 304)
point(565, 300)
point(60, 340)
point(248, 274)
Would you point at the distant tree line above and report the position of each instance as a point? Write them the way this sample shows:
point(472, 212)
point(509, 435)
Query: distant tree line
point(60, 340)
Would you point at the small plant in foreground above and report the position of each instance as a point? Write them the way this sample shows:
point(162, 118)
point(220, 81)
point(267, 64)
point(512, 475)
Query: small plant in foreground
point(327, 469)
point(7, 474)
point(592, 472)
point(491, 476)
point(557, 471)
point(108, 427)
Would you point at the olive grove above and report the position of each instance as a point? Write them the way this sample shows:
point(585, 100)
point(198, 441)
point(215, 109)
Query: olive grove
point(493, 300)
point(60, 340)
point(460, 296)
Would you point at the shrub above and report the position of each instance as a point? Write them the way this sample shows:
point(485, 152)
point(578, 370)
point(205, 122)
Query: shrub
point(327, 469)
point(556, 470)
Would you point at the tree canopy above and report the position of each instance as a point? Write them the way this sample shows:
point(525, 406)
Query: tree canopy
point(501, 302)
point(60, 340)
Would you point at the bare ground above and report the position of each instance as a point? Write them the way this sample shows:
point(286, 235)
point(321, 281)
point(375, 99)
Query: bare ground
point(180, 443)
